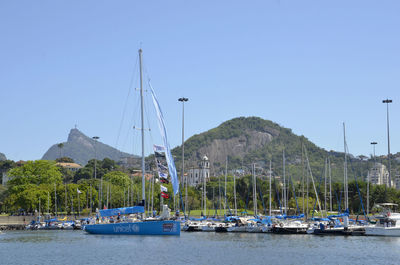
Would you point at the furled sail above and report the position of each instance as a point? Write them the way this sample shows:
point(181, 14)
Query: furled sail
point(163, 131)
point(124, 210)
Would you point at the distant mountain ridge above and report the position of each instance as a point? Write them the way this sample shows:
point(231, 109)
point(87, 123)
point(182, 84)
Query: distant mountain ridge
point(3, 156)
point(247, 140)
point(82, 148)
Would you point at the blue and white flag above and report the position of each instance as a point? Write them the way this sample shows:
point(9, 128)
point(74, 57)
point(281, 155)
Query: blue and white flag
point(163, 189)
point(162, 175)
point(163, 131)
point(158, 148)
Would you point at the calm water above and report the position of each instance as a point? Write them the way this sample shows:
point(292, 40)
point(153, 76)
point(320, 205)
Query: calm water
point(77, 247)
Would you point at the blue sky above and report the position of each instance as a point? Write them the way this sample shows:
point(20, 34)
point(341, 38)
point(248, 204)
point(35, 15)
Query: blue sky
point(307, 65)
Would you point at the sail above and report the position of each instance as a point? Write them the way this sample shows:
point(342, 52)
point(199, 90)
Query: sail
point(168, 155)
point(124, 210)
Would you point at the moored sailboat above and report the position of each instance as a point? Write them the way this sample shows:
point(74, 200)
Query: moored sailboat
point(142, 225)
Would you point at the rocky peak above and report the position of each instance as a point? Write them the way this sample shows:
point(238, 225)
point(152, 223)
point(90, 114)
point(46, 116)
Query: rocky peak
point(78, 137)
point(80, 148)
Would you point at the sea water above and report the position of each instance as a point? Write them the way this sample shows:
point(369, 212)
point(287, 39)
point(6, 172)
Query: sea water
point(78, 247)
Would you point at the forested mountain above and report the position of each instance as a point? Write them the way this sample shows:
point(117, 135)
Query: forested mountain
point(81, 149)
point(247, 140)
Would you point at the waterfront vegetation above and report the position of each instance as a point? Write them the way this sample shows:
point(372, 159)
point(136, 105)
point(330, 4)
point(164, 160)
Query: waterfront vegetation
point(57, 189)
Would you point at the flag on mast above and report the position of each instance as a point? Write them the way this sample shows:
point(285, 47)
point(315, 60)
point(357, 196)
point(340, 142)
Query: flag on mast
point(168, 155)
point(164, 189)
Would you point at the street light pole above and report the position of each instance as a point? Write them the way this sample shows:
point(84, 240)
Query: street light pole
point(185, 182)
point(95, 138)
point(387, 101)
point(368, 180)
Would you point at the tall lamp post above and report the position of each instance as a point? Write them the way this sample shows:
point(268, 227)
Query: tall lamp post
point(95, 138)
point(368, 180)
point(387, 101)
point(183, 100)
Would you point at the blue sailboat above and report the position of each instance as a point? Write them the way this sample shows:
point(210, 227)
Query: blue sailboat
point(139, 227)
point(143, 226)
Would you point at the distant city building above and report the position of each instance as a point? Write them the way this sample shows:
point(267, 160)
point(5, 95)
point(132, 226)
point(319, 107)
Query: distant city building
point(70, 166)
point(379, 175)
point(197, 174)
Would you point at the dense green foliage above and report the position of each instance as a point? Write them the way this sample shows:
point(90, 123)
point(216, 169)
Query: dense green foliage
point(38, 185)
point(65, 160)
point(41, 183)
point(102, 167)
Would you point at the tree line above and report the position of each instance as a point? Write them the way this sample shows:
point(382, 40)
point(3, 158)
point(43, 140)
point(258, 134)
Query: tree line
point(44, 186)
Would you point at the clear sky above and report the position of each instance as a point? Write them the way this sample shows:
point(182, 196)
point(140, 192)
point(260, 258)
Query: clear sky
point(308, 65)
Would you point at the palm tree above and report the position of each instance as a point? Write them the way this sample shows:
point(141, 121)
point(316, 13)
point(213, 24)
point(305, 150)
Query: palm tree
point(60, 145)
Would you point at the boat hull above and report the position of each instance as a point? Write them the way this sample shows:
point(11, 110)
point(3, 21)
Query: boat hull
point(237, 229)
point(340, 231)
point(382, 231)
point(167, 227)
point(221, 229)
point(289, 230)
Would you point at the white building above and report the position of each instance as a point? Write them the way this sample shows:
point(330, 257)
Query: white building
point(197, 174)
point(379, 175)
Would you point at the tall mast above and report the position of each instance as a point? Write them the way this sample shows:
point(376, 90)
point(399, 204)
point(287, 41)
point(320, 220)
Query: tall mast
point(219, 194)
point(254, 190)
point(55, 199)
point(226, 173)
point(66, 199)
point(142, 128)
point(284, 182)
point(234, 192)
point(270, 176)
point(307, 183)
point(346, 195)
point(204, 190)
point(313, 183)
point(330, 184)
point(48, 203)
point(302, 178)
point(326, 176)
point(369, 177)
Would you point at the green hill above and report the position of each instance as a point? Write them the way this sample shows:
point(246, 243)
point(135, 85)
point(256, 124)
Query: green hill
point(247, 140)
